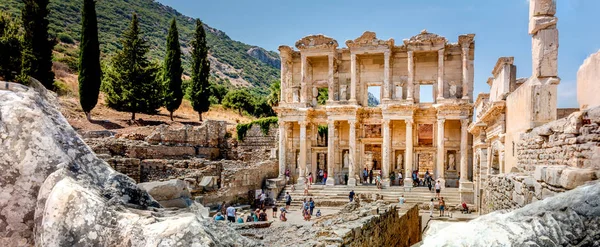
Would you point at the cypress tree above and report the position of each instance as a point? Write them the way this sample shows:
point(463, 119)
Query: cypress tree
point(37, 45)
point(10, 47)
point(199, 86)
point(172, 71)
point(130, 82)
point(89, 59)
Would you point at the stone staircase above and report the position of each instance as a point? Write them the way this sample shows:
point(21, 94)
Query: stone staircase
point(335, 196)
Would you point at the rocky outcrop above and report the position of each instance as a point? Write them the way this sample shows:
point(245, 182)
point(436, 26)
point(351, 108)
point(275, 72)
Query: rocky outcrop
point(54, 191)
point(567, 219)
point(264, 56)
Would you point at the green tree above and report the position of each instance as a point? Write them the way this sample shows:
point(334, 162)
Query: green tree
point(218, 91)
point(10, 47)
point(130, 81)
point(239, 100)
point(199, 86)
point(274, 94)
point(89, 59)
point(172, 71)
point(37, 44)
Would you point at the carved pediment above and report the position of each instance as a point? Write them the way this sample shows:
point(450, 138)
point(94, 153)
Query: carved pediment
point(425, 38)
point(369, 39)
point(318, 41)
point(285, 51)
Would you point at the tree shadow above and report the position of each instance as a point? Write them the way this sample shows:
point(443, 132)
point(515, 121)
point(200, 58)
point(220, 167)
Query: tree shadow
point(107, 124)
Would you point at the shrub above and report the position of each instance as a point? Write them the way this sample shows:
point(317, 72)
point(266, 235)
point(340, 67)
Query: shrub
point(65, 38)
point(264, 123)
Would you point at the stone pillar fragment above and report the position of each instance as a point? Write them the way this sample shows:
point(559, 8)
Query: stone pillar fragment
point(330, 83)
point(330, 152)
point(409, 153)
point(440, 79)
point(353, 79)
point(386, 76)
point(411, 76)
point(542, 27)
point(304, 77)
point(465, 71)
point(352, 168)
point(441, 152)
point(303, 140)
point(385, 152)
point(282, 148)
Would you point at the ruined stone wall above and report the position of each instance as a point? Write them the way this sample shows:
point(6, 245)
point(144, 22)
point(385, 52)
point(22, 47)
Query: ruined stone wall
point(256, 146)
point(552, 158)
point(388, 230)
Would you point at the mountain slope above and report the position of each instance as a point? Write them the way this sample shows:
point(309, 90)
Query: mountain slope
point(232, 61)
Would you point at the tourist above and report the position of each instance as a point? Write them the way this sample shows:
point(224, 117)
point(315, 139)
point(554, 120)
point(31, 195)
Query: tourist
point(250, 217)
point(371, 176)
point(465, 208)
point(401, 200)
point(255, 215)
point(282, 216)
point(325, 178)
point(346, 179)
point(240, 220)
point(306, 214)
point(351, 195)
point(400, 181)
point(304, 204)
point(288, 200)
point(428, 181)
point(431, 208)
point(293, 188)
point(305, 189)
point(310, 179)
point(263, 198)
point(393, 178)
point(442, 206)
point(219, 217)
point(318, 213)
point(231, 214)
point(311, 205)
point(306, 183)
point(262, 216)
point(274, 211)
point(415, 178)
point(320, 176)
point(438, 188)
point(378, 181)
point(287, 175)
point(365, 174)
point(221, 208)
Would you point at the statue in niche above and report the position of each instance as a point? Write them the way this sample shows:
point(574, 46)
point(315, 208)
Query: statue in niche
point(399, 161)
point(453, 90)
point(451, 162)
point(321, 161)
point(369, 161)
point(398, 92)
point(343, 92)
point(296, 95)
point(298, 161)
point(346, 158)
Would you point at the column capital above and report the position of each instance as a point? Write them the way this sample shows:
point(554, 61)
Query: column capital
point(387, 54)
point(330, 122)
point(409, 121)
point(441, 120)
point(303, 124)
point(281, 122)
point(410, 53)
point(465, 122)
point(465, 46)
point(352, 122)
point(441, 51)
point(385, 122)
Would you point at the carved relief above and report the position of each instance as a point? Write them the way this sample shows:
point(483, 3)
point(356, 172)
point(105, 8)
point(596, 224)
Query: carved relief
point(343, 92)
point(370, 39)
point(316, 41)
point(453, 90)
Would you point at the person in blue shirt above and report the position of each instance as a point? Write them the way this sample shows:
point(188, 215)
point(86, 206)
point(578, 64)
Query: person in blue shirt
point(219, 217)
point(311, 205)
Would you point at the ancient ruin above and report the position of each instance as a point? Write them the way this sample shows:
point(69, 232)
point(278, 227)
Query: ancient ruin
point(402, 133)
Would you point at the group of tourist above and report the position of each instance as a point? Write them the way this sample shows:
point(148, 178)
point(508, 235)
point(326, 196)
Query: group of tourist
point(308, 208)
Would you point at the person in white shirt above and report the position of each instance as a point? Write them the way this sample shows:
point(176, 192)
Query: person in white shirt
point(431, 208)
point(231, 214)
point(438, 188)
point(400, 178)
point(401, 200)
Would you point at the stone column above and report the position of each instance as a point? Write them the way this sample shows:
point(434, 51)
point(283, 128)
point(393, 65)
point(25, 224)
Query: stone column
point(283, 83)
point(465, 70)
point(440, 152)
point(464, 170)
point(304, 77)
point(409, 153)
point(330, 152)
point(465, 186)
point(386, 76)
point(385, 152)
point(440, 80)
point(353, 79)
point(352, 149)
point(411, 76)
point(302, 175)
point(282, 148)
point(331, 89)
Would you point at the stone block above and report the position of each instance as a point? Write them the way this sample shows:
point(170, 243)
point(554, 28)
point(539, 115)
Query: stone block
point(547, 193)
point(540, 173)
point(553, 174)
point(588, 83)
point(537, 23)
point(545, 53)
point(572, 177)
point(542, 8)
point(167, 190)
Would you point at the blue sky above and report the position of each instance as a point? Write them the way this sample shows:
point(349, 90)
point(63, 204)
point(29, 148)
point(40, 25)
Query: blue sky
point(500, 27)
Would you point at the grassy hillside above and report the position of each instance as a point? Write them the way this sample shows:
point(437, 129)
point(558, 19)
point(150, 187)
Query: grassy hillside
point(231, 61)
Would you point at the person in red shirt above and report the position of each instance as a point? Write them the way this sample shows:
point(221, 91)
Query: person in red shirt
point(325, 178)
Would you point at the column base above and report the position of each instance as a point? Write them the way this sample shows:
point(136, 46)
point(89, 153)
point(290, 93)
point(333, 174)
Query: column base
point(465, 97)
point(408, 183)
point(442, 182)
point(330, 182)
point(352, 102)
point(385, 183)
point(351, 182)
point(467, 194)
point(300, 181)
point(465, 185)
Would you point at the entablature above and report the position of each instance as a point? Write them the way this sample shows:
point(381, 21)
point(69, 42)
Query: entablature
point(369, 43)
point(316, 42)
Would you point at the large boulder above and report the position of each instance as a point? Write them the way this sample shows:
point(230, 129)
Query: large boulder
point(568, 219)
point(54, 191)
point(172, 193)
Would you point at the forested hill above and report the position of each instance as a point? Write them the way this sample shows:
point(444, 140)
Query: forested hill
point(232, 61)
